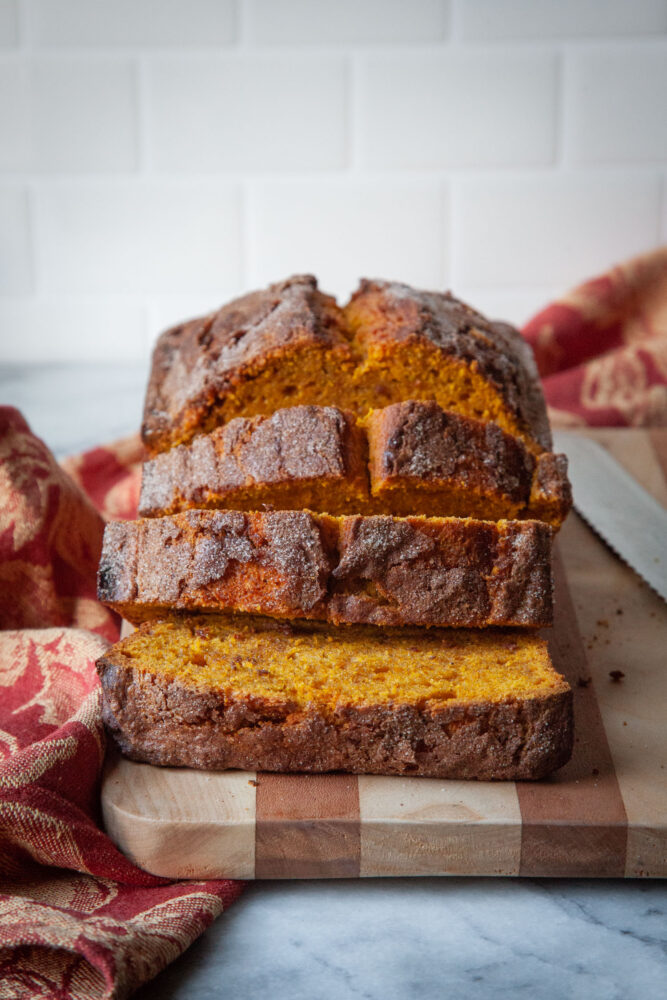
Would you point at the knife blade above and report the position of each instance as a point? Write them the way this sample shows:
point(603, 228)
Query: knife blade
point(618, 509)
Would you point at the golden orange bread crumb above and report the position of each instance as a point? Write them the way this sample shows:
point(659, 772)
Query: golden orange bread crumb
point(292, 344)
point(356, 665)
point(407, 458)
point(212, 692)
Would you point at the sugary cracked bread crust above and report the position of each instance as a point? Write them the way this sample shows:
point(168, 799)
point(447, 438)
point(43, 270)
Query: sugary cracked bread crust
point(290, 342)
point(197, 363)
point(407, 458)
point(289, 457)
point(393, 311)
point(166, 721)
point(350, 569)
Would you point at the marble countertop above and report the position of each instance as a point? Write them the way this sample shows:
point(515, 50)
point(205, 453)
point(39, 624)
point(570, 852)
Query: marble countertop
point(378, 939)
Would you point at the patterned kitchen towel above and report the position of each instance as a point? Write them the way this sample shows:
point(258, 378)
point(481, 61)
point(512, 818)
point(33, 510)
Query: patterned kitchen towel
point(602, 349)
point(77, 919)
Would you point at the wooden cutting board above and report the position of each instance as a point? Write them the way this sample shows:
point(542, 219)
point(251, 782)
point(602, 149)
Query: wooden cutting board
point(604, 814)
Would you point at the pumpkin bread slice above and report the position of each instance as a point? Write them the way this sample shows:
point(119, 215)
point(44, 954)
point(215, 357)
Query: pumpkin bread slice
point(407, 458)
point(349, 569)
point(210, 692)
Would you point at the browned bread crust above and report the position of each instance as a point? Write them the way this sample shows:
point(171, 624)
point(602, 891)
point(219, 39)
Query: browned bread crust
point(427, 460)
point(389, 344)
point(301, 456)
point(173, 722)
point(198, 365)
point(551, 493)
point(384, 311)
point(350, 569)
point(423, 460)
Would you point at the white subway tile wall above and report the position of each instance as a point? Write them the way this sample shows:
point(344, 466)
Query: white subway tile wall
point(9, 27)
point(504, 20)
point(554, 229)
point(13, 114)
point(616, 104)
point(112, 23)
point(82, 114)
point(157, 159)
point(345, 228)
point(66, 329)
point(16, 265)
point(138, 236)
point(246, 112)
point(443, 107)
point(371, 22)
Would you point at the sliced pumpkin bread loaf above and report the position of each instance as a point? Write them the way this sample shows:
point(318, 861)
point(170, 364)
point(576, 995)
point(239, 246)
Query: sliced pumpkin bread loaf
point(210, 692)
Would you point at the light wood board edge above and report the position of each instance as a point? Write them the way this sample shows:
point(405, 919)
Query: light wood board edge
point(179, 823)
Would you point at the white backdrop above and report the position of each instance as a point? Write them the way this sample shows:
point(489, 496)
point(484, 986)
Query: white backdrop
point(160, 156)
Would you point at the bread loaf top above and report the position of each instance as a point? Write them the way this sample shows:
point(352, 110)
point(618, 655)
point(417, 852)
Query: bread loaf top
point(292, 344)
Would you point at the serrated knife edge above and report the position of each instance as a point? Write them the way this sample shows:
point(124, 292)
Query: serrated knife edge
point(619, 510)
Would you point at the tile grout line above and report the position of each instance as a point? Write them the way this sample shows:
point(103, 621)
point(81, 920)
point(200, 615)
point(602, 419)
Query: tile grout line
point(560, 110)
point(453, 31)
point(352, 113)
point(23, 29)
point(142, 118)
point(512, 172)
point(244, 232)
point(243, 21)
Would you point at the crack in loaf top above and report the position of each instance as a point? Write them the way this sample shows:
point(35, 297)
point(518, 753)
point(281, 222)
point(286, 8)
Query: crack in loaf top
point(205, 365)
point(200, 357)
point(496, 348)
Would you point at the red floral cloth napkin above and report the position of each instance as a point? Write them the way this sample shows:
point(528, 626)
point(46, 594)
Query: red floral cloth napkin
point(77, 919)
point(602, 349)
